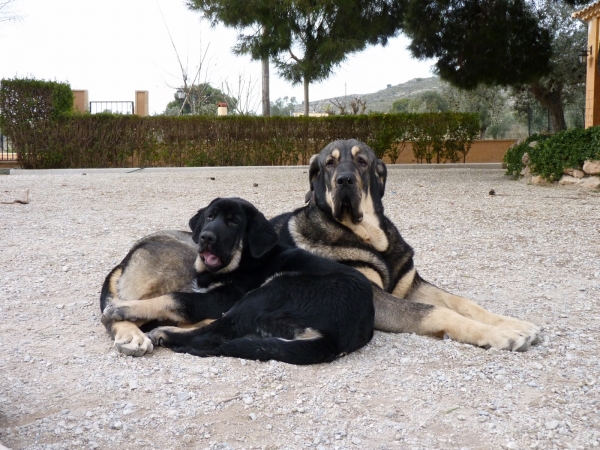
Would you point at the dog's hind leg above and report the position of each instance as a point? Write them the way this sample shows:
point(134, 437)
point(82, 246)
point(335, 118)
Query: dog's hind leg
point(424, 292)
point(404, 316)
point(298, 351)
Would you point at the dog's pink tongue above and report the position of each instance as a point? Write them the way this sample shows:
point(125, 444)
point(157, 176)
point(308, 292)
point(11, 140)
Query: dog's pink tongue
point(210, 259)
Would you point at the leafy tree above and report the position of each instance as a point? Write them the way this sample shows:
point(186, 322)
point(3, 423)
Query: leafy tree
point(489, 102)
point(306, 39)
point(527, 44)
point(429, 101)
point(425, 102)
point(494, 42)
point(202, 99)
point(565, 82)
point(283, 106)
point(400, 105)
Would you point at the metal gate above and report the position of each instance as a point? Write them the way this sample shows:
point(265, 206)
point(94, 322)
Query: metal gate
point(111, 107)
point(6, 153)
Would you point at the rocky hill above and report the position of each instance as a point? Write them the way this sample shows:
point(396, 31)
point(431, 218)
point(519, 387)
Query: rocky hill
point(380, 101)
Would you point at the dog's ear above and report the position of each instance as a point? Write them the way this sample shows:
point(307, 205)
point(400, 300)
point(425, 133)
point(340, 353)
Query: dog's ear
point(313, 172)
point(308, 196)
point(381, 175)
point(262, 236)
point(196, 224)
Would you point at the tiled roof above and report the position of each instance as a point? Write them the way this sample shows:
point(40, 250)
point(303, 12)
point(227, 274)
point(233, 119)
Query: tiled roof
point(588, 13)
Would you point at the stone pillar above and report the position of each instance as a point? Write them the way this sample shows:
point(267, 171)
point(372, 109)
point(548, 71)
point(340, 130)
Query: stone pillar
point(80, 101)
point(141, 103)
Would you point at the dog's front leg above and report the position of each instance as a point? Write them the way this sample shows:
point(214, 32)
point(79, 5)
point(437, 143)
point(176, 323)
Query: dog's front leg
point(164, 307)
point(129, 339)
point(199, 341)
point(180, 307)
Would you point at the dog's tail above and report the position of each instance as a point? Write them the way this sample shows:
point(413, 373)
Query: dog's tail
point(299, 351)
point(109, 288)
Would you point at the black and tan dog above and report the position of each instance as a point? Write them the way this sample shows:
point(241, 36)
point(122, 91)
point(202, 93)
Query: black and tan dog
point(344, 220)
point(270, 301)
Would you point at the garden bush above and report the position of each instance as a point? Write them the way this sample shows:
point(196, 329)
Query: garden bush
point(514, 155)
point(29, 108)
point(553, 154)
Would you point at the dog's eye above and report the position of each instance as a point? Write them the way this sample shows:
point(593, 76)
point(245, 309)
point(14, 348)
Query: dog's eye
point(210, 216)
point(329, 163)
point(362, 162)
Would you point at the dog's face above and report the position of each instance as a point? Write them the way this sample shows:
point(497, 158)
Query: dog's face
point(224, 229)
point(347, 179)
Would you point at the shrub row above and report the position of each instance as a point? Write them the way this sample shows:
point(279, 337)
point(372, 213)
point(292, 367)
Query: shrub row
point(551, 155)
point(46, 134)
point(106, 140)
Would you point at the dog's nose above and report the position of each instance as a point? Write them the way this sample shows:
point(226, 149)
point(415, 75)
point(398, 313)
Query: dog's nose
point(345, 179)
point(208, 237)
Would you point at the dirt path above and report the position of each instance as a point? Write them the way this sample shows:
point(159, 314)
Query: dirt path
point(529, 252)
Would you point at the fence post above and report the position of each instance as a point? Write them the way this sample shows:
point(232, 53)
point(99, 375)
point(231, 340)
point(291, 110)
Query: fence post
point(80, 101)
point(141, 103)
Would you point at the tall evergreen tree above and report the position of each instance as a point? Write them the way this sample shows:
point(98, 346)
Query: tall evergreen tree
point(306, 39)
point(494, 42)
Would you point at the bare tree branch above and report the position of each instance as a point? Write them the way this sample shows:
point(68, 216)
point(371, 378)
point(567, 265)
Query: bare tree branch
point(193, 89)
point(6, 13)
point(244, 94)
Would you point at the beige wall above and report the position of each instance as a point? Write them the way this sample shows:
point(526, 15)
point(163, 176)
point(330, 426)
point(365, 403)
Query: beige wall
point(481, 152)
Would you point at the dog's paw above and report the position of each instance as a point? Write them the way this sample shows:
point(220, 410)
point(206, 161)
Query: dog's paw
point(133, 342)
point(531, 330)
point(159, 335)
point(513, 340)
point(118, 313)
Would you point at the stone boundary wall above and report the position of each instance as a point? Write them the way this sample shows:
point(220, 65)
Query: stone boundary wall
point(588, 177)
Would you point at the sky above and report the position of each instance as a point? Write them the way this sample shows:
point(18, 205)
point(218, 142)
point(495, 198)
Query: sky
point(112, 48)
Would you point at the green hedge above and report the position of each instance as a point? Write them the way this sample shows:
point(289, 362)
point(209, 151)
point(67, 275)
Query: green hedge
point(551, 155)
point(28, 108)
point(63, 140)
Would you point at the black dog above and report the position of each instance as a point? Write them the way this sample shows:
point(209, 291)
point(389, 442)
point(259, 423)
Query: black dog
point(290, 305)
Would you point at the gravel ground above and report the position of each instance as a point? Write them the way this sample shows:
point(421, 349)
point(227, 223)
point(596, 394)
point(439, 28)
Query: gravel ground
point(529, 252)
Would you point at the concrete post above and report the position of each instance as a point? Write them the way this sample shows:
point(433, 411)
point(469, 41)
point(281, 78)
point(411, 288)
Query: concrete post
point(81, 101)
point(141, 103)
point(221, 109)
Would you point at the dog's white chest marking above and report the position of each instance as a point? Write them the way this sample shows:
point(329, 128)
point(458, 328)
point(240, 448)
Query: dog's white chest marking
point(342, 253)
point(368, 229)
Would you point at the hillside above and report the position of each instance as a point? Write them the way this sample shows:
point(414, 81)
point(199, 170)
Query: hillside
point(381, 101)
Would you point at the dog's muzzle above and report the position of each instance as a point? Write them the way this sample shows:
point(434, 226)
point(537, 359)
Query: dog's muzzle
point(347, 198)
point(207, 242)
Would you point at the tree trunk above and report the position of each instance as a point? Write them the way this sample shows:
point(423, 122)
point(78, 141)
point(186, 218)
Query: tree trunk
point(552, 100)
point(266, 101)
point(306, 82)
